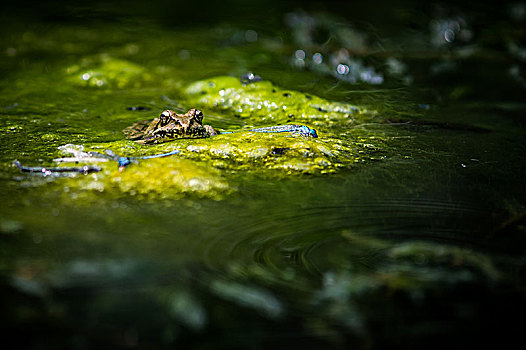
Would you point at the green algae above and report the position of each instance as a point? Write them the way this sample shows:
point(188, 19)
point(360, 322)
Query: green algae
point(261, 103)
point(156, 179)
point(164, 178)
point(268, 153)
point(105, 71)
point(203, 167)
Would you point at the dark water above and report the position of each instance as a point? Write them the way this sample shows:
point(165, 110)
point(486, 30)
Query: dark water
point(423, 248)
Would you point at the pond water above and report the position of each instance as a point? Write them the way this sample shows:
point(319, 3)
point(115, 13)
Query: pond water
point(401, 225)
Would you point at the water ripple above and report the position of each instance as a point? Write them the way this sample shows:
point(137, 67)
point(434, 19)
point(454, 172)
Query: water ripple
point(302, 238)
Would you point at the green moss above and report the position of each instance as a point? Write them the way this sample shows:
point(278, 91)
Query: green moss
point(263, 103)
point(104, 71)
point(155, 179)
point(203, 167)
point(272, 154)
point(171, 177)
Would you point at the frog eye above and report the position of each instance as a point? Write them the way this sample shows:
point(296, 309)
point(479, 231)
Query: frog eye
point(166, 115)
point(198, 115)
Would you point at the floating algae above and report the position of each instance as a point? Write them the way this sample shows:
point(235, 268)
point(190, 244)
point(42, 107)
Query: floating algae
point(263, 103)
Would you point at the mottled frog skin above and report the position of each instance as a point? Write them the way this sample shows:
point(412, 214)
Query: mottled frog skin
point(170, 126)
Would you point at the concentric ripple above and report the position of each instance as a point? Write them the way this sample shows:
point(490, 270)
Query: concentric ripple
point(313, 240)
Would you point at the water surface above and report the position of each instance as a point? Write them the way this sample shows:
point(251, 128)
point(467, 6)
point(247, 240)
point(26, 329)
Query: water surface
point(421, 244)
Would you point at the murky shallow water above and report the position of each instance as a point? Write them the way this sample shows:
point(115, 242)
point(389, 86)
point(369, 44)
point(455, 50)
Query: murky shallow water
point(421, 243)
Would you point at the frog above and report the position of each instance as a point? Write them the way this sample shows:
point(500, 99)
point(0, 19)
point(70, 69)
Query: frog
point(170, 126)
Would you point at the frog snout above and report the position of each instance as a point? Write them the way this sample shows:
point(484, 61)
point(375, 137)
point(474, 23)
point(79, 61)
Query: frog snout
point(185, 126)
